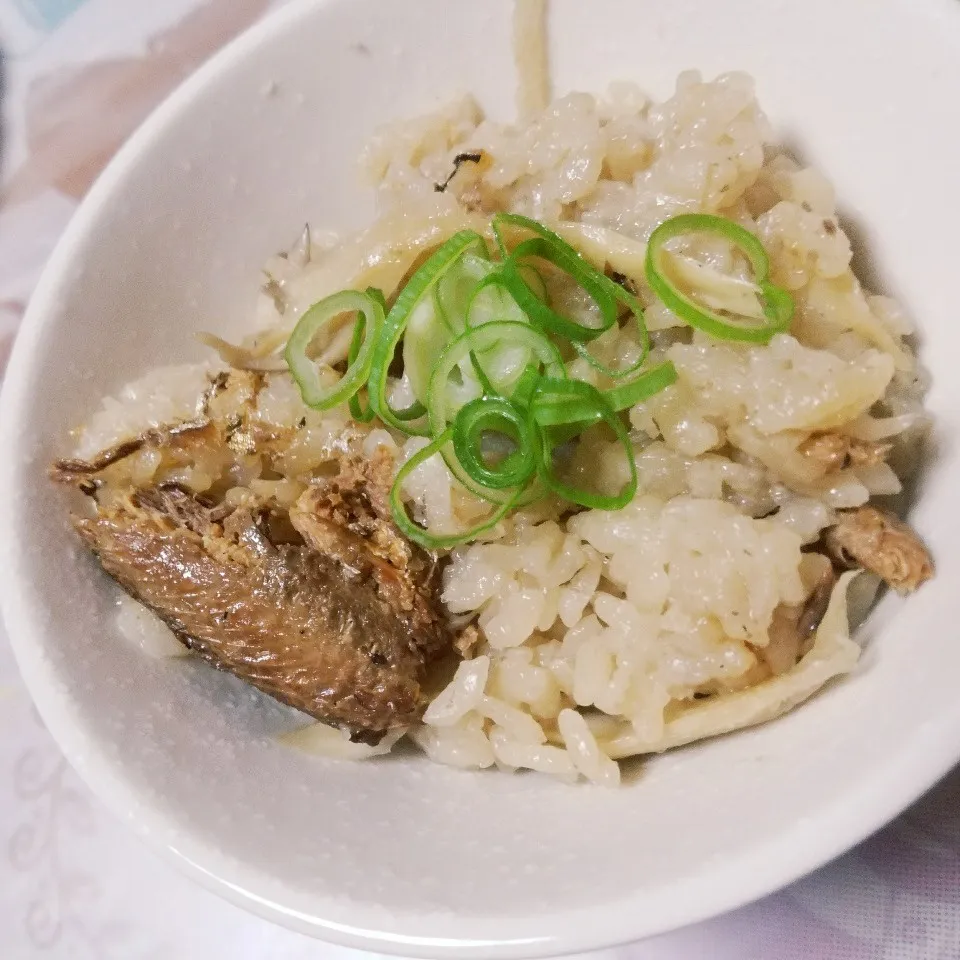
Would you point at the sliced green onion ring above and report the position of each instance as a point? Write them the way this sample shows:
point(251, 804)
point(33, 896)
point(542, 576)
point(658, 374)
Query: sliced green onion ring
point(533, 278)
point(357, 410)
point(420, 286)
point(412, 530)
point(559, 402)
point(472, 294)
point(475, 340)
point(620, 398)
point(647, 385)
point(494, 415)
point(776, 303)
point(497, 367)
point(525, 386)
point(628, 300)
point(572, 263)
point(424, 338)
point(455, 288)
point(306, 372)
point(600, 287)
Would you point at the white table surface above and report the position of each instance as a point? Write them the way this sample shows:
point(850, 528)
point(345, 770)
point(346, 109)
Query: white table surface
point(77, 885)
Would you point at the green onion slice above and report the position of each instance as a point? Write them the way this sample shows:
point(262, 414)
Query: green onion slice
point(306, 372)
point(525, 386)
point(455, 288)
point(777, 306)
point(564, 428)
point(469, 294)
point(627, 299)
point(604, 292)
point(557, 403)
point(498, 367)
point(357, 410)
point(647, 385)
point(533, 278)
point(418, 290)
point(424, 339)
point(412, 530)
point(474, 340)
point(572, 263)
point(494, 415)
point(547, 245)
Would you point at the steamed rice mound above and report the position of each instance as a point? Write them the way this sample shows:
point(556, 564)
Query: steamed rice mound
point(609, 634)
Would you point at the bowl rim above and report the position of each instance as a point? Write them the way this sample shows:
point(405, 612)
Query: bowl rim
point(719, 888)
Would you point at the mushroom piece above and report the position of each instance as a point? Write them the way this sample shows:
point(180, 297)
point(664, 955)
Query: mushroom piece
point(881, 543)
point(836, 451)
point(794, 626)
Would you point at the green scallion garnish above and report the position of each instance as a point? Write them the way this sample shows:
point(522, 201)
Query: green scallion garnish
point(481, 351)
point(307, 373)
point(776, 305)
point(557, 403)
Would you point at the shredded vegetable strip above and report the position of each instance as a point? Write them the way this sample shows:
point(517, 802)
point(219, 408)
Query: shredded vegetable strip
point(530, 56)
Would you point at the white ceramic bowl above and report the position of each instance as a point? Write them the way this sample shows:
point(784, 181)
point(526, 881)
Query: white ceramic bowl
point(401, 855)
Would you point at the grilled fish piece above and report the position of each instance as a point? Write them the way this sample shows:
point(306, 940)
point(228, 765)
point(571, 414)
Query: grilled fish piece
point(298, 624)
point(348, 517)
point(326, 606)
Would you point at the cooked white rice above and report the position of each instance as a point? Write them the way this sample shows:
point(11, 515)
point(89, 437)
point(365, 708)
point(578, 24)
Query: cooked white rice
point(601, 634)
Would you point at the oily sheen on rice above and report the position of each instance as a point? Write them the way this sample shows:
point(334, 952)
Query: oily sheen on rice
point(607, 634)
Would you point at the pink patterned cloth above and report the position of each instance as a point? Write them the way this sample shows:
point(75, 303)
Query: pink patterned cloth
point(74, 884)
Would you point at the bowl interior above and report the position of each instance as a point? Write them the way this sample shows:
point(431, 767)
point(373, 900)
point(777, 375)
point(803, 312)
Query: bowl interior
point(399, 854)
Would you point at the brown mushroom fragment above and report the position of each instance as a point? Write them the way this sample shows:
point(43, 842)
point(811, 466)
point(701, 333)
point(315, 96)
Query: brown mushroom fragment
point(836, 451)
point(793, 626)
point(881, 543)
point(863, 453)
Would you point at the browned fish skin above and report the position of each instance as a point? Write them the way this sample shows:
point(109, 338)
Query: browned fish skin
point(225, 417)
point(348, 517)
point(881, 543)
point(298, 625)
point(191, 431)
point(326, 607)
